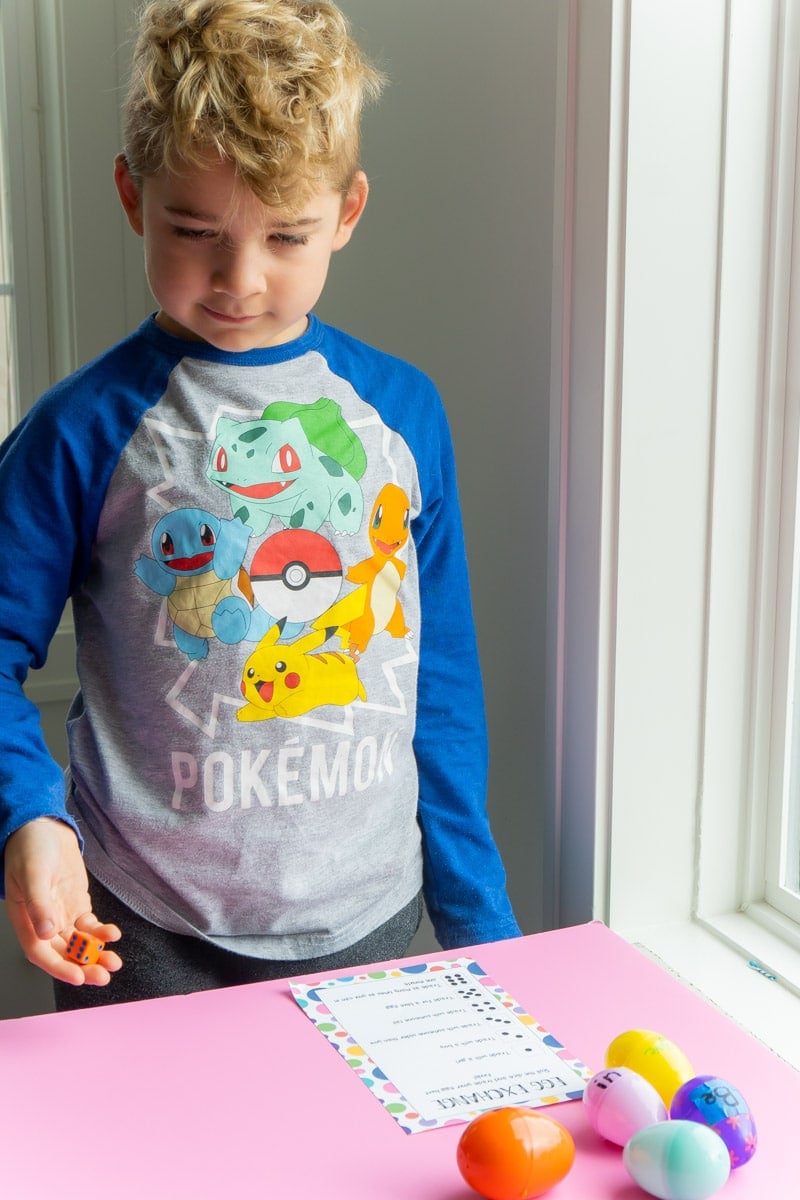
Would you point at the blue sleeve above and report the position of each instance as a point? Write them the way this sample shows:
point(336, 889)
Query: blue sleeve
point(34, 585)
point(54, 472)
point(464, 879)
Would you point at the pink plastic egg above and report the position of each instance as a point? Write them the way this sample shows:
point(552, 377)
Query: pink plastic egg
point(619, 1103)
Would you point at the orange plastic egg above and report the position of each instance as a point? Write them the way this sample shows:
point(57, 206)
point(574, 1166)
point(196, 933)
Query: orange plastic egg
point(514, 1154)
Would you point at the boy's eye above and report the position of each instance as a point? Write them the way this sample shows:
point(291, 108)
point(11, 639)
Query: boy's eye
point(290, 239)
point(194, 234)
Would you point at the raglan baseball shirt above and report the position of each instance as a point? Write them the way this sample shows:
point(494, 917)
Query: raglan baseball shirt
point(279, 731)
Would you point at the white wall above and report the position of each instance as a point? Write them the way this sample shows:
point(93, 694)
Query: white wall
point(451, 268)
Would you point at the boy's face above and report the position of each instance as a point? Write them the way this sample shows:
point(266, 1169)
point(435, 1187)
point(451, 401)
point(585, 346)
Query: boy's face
point(225, 269)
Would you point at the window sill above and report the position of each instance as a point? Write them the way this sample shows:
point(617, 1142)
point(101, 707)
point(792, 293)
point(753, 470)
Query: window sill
point(740, 967)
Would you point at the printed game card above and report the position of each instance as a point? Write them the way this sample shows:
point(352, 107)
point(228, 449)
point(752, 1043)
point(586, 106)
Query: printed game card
point(439, 1042)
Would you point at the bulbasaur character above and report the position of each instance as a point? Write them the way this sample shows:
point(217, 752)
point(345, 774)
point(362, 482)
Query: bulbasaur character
point(299, 462)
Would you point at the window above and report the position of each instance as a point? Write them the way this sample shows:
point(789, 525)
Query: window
point(22, 221)
point(749, 812)
point(782, 865)
point(78, 279)
point(7, 373)
point(678, 810)
point(751, 784)
point(781, 868)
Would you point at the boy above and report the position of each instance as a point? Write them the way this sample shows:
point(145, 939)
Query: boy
point(279, 737)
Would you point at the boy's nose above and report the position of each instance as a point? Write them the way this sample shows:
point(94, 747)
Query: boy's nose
point(240, 274)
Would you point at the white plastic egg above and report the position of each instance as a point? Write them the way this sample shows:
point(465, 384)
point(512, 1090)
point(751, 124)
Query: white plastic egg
point(678, 1160)
point(619, 1103)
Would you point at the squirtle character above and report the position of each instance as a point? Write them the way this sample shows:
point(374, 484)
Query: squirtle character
point(197, 564)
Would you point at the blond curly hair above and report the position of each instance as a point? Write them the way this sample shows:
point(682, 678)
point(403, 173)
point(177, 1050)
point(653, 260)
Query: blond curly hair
point(275, 86)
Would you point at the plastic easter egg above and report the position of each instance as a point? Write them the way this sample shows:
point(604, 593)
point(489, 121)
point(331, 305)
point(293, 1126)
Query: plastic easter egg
point(619, 1103)
point(654, 1057)
point(514, 1153)
point(715, 1102)
point(678, 1160)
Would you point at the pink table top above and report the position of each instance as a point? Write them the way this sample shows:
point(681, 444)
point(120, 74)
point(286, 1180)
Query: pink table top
point(236, 1094)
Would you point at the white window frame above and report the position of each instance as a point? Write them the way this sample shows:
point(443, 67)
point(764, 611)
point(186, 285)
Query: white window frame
point(8, 354)
point(65, 62)
point(669, 389)
point(754, 499)
point(780, 826)
point(25, 217)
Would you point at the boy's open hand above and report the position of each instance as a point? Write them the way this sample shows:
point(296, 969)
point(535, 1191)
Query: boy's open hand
point(47, 896)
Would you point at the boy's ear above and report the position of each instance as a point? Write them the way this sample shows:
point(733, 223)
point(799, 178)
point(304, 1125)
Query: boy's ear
point(129, 194)
point(352, 207)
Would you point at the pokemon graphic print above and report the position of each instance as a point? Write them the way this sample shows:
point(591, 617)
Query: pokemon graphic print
point(245, 536)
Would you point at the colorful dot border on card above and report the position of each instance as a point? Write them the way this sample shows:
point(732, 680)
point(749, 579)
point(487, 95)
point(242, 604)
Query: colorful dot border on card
point(310, 998)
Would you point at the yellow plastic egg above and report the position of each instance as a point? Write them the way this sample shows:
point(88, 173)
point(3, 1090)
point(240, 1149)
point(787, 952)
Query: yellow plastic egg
point(654, 1057)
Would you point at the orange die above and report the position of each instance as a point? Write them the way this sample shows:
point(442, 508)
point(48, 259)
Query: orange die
point(84, 949)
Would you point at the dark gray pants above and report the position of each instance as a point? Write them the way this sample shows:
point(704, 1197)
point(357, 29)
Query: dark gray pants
point(159, 963)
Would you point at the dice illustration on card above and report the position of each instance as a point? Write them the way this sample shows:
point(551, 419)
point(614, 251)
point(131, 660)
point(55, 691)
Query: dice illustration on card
point(486, 1005)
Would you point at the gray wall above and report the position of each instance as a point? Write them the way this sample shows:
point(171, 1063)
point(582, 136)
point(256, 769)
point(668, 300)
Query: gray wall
point(450, 268)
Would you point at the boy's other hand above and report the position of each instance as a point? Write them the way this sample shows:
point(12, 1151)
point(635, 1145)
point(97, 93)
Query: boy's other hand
point(47, 896)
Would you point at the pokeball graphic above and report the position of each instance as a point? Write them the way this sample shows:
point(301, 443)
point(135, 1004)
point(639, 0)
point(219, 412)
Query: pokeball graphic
point(296, 574)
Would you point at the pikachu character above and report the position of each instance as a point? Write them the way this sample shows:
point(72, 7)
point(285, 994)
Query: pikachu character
point(373, 606)
point(286, 679)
